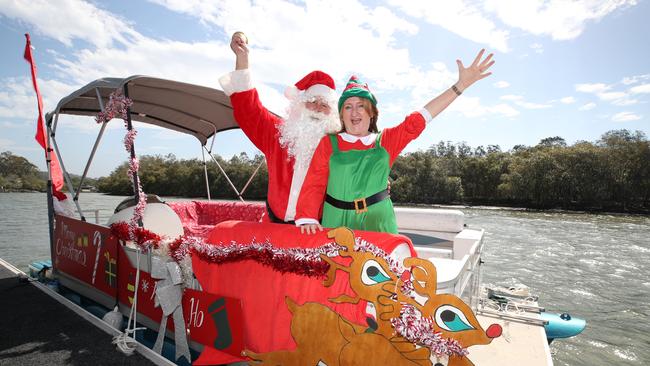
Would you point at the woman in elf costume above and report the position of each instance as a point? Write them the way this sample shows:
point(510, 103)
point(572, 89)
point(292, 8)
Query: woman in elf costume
point(347, 179)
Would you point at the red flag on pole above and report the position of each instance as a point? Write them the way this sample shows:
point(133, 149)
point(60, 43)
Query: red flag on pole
point(55, 169)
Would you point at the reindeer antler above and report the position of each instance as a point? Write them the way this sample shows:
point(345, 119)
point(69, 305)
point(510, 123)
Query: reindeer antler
point(423, 272)
point(343, 237)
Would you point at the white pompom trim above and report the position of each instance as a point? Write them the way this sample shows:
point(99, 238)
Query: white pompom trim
point(291, 92)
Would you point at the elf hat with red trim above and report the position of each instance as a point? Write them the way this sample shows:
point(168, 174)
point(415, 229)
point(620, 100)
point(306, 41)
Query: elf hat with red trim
point(355, 88)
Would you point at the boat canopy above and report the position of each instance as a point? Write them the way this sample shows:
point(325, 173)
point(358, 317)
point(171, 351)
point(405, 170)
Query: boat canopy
point(195, 110)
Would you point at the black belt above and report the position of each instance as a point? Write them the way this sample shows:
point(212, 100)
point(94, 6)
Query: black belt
point(274, 218)
point(360, 204)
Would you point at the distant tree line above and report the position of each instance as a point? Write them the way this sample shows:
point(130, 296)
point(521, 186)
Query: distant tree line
point(18, 174)
point(611, 174)
point(169, 176)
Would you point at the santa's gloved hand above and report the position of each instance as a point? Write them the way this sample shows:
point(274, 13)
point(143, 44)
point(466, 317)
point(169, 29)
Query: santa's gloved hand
point(310, 228)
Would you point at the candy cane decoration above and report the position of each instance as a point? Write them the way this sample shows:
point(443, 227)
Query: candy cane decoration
point(97, 242)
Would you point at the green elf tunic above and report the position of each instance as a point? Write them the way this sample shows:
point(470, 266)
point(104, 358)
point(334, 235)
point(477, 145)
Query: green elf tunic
point(356, 175)
point(349, 168)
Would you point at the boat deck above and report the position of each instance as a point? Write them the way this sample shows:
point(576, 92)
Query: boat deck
point(520, 344)
point(39, 330)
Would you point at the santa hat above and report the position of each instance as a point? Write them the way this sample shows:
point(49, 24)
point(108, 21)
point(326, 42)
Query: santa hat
point(355, 88)
point(314, 84)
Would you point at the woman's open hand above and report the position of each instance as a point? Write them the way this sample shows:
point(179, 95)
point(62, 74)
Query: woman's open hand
point(475, 72)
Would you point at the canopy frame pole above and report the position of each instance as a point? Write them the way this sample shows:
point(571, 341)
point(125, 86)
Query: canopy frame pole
point(66, 176)
point(205, 172)
point(225, 175)
point(252, 176)
point(92, 153)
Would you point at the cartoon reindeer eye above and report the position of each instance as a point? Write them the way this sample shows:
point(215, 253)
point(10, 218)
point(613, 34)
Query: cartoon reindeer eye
point(372, 273)
point(452, 319)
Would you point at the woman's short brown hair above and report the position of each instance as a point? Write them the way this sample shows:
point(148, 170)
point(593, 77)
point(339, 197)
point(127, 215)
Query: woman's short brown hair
point(371, 109)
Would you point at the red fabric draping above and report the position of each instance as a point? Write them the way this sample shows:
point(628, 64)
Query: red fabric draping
point(262, 290)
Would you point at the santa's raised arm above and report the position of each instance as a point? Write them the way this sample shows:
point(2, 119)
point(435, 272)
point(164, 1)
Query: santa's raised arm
point(287, 143)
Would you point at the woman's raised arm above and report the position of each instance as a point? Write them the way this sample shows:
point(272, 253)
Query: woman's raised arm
point(466, 77)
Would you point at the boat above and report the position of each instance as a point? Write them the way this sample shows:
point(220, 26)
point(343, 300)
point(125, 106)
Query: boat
point(211, 284)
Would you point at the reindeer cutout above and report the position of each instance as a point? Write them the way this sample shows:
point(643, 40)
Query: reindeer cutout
point(325, 338)
point(452, 317)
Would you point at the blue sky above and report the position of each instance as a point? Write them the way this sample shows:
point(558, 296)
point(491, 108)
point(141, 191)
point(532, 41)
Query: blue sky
point(570, 69)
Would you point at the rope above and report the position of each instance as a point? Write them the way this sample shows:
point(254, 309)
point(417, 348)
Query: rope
point(125, 342)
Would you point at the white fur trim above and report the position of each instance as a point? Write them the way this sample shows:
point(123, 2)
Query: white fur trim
point(320, 90)
point(366, 140)
point(236, 81)
point(299, 173)
point(425, 113)
point(306, 221)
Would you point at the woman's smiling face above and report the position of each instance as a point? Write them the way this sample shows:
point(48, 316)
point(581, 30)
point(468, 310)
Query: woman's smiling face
point(356, 118)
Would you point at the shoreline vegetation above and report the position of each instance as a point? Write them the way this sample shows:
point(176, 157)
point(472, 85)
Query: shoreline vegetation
point(611, 175)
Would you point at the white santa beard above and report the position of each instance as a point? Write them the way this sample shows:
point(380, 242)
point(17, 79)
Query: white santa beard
point(300, 134)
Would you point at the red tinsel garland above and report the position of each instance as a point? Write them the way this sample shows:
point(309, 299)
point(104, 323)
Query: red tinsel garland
point(142, 237)
point(305, 262)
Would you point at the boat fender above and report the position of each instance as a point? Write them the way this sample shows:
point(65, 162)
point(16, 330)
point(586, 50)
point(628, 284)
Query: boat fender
point(114, 318)
point(562, 325)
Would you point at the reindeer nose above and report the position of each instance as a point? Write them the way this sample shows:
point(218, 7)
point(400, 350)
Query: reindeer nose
point(493, 331)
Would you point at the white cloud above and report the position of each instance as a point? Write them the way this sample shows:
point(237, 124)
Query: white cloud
point(18, 99)
point(459, 17)
point(431, 82)
point(13, 146)
point(274, 56)
point(625, 116)
point(66, 20)
point(519, 100)
point(588, 106)
point(562, 20)
point(605, 93)
point(505, 110)
point(374, 29)
point(611, 96)
point(529, 105)
point(645, 88)
point(7, 124)
point(471, 107)
point(592, 88)
point(625, 102)
point(537, 47)
point(501, 84)
point(6, 144)
point(629, 80)
point(511, 97)
point(568, 100)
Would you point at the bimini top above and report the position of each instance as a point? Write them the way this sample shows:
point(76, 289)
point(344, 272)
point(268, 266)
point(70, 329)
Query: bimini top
point(196, 110)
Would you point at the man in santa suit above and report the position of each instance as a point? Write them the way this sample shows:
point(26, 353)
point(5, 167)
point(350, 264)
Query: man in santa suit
point(287, 143)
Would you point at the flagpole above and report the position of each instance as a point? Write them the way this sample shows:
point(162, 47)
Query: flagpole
point(50, 197)
point(43, 137)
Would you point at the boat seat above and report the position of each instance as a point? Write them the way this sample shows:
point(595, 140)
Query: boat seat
point(200, 217)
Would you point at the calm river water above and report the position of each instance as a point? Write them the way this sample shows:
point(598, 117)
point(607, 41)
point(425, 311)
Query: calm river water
point(592, 266)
